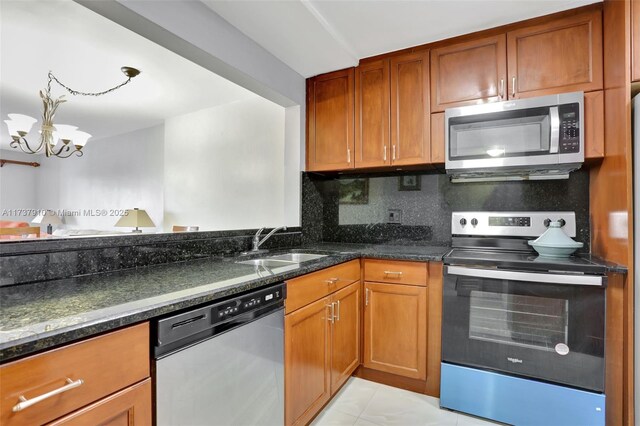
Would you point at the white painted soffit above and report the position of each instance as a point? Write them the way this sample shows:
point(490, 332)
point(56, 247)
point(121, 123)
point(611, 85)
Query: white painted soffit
point(316, 36)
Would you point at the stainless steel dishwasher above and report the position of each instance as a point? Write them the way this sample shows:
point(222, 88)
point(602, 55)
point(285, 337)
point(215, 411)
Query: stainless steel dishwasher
point(222, 364)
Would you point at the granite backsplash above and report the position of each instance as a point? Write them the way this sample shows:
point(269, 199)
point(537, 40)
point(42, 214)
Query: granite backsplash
point(360, 209)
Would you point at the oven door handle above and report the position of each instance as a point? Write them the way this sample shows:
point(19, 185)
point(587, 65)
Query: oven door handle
point(535, 277)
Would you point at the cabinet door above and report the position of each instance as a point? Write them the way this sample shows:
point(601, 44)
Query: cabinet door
point(306, 361)
point(129, 407)
point(469, 73)
point(563, 55)
point(395, 329)
point(438, 149)
point(345, 334)
point(594, 124)
point(410, 118)
point(635, 40)
point(330, 110)
point(372, 114)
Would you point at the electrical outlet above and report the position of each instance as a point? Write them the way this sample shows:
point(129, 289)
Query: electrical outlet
point(394, 216)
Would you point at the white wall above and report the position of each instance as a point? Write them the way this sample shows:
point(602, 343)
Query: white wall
point(17, 186)
point(194, 31)
point(225, 168)
point(115, 173)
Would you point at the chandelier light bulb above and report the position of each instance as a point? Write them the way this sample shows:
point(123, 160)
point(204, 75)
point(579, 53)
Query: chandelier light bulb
point(65, 132)
point(80, 139)
point(24, 123)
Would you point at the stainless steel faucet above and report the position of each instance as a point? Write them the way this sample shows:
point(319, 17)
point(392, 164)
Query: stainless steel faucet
point(257, 242)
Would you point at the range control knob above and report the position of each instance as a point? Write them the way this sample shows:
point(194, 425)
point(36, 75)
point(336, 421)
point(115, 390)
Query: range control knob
point(547, 222)
point(474, 221)
point(562, 222)
point(463, 221)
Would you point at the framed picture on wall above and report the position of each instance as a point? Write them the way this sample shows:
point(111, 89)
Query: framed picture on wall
point(409, 183)
point(354, 191)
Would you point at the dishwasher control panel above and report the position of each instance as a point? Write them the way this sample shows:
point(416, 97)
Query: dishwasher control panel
point(226, 310)
point(208, 321)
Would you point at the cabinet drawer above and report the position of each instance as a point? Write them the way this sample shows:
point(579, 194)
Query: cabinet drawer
point(393, 271)
point(306, 289)
point(129, 407)
point(104, 364)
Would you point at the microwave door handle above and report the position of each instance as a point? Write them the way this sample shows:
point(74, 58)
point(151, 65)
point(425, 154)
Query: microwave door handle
point(534, 277)
point(555, 130)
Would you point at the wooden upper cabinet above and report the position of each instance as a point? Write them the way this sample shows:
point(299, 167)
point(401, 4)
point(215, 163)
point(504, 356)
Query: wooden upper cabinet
point(438, 148)
point(372, 114)
point(395, 329)
point(410, 117)
point(307, 362)
point(562, 55)
point(345, 334)
point(469, 73)
point(330, 111)
point(635, 40)
point(594, 125)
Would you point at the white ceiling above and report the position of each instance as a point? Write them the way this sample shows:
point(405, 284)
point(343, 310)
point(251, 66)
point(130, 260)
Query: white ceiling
point(316, 36)
point(85, 51)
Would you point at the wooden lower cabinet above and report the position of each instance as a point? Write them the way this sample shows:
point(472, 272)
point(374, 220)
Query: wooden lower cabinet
point(322, 349)
point(82, 373)
point(395, 329)
point(307, 361)
point(345, 334)
point(129, 407)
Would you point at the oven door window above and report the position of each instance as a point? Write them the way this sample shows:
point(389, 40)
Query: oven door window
point(513, 319)
point(552, 332)
point(501, 134)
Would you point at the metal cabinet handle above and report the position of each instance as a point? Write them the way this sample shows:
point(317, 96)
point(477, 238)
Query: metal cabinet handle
point(501, 91)
point(332, 280)
point(338, 316)
point(349, 155)
point(366, 297)
point(384, 154)
point(513, 87)
point(393, 152)
point(333, 310)
point(393, 273)
point(26, 403)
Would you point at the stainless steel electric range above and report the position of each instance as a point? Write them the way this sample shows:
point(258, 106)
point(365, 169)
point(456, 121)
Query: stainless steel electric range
point(522, 335)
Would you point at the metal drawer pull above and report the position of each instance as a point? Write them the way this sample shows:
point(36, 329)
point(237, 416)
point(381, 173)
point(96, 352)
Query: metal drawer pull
point(338, 316)
point(366, 297)
point(501, 92)
point(26, 403)
point(393, 273)
point(332, 280)
point(513, 87)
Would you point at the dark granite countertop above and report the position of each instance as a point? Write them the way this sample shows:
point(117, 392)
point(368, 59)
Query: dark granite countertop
point(43, 315)
point(46, 314)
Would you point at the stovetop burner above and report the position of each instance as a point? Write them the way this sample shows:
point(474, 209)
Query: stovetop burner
point(521, 260)
point(500, 240)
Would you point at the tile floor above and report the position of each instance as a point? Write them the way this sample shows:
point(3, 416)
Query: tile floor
point(364, 403)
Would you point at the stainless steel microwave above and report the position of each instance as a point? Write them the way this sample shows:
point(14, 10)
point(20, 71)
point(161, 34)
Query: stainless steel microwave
point(534, 138)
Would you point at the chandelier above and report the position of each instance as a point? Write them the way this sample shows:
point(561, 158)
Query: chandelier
point(55, 140)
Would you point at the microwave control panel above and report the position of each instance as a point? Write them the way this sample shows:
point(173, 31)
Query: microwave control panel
point(569, 128)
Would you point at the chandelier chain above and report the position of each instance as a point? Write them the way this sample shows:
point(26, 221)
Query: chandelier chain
point(78, 93)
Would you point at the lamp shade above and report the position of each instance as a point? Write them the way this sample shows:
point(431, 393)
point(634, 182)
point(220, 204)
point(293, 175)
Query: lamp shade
point(48, 217)
point(23, 122)
point(135, 218)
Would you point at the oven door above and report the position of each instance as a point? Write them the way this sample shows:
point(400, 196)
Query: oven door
point(538, 325)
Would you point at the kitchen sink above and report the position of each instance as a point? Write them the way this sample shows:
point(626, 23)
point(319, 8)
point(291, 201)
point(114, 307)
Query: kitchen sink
point(267, 263)
point(297, 257)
